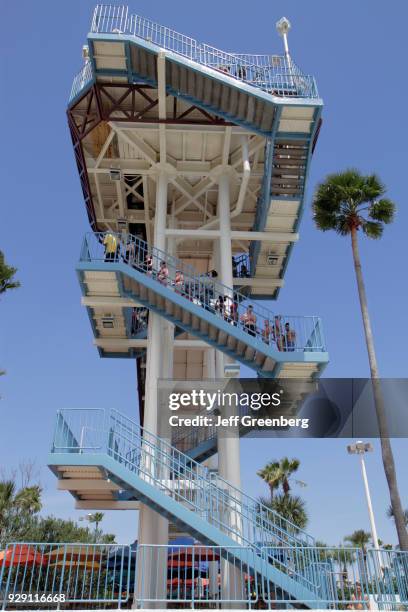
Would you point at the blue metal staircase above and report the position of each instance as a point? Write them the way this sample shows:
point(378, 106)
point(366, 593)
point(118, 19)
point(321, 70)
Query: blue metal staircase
point(182, 490)
point(193, 304)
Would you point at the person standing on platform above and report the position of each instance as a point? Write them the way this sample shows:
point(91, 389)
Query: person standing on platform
point(266, 332)
point(110, 243)
point(163, 273)
point(179, 281)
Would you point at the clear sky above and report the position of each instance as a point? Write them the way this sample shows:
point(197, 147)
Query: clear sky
point(45, 337)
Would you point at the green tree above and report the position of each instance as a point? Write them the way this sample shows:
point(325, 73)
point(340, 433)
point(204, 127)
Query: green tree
point(359, 539)
point(291, 507)
point(52, 529)
point(96, 518)
point(271, 475)
point(7, 276)
point(287, 468)
point(18, 509)
point(279, 473)
point(20, 520)
point(350, 203)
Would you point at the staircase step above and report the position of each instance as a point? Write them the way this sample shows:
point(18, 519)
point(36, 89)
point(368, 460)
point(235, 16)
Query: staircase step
point(241, 346)
point(203, 327)
point(249, 353)
point(207, 93)
point(268, 365)
point(160, 302)
point(177, 312)
point(260, 358)
point(232, 343)
point(186, 317)
point(195, 322)
point(213, 332)
point(222, 338)
point(152, 297)
point(169, 307)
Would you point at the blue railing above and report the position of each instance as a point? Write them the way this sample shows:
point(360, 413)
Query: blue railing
point(275, 74)
point(49, 576)
point(94, 431)
point(44, 575)
point(291, 334)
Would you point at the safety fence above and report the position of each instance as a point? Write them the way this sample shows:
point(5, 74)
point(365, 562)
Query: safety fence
point(102, 576)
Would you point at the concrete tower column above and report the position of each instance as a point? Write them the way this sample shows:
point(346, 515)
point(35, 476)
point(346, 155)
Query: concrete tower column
point(228, 447)
point(151, 528)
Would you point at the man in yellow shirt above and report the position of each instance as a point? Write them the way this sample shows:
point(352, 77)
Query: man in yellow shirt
point(110, 243)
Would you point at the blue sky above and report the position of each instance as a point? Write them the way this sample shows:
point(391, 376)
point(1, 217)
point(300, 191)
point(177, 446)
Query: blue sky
point(45, 338)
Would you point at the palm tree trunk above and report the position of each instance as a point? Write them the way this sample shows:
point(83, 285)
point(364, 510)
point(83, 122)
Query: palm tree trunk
point(386, 450)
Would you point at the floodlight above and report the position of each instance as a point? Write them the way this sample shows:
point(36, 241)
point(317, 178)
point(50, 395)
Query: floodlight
point(283, 26)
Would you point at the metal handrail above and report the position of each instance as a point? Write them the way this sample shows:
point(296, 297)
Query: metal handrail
point(272, 73)
point(159, 463)
point(81, 80)
point(291, 334)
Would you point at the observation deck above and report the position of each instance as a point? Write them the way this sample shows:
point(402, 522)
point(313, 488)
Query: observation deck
point(149, 97)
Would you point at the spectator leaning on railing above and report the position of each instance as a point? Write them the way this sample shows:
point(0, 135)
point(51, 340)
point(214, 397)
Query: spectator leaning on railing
point(249, 321)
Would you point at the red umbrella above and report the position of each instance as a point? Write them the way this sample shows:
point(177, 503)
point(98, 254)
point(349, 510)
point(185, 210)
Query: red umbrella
point(21, 554)
point(185, 555)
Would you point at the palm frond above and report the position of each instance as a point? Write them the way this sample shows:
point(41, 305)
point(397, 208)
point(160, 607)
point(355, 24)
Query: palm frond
point(374, 188)
point(382, 210)
point(373, 229)
point(350, 200)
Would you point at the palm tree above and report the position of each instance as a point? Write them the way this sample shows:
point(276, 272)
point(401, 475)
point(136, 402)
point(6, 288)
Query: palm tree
point(287, 468)
point(7, 493)
point(292, 508)
point(277, 473)
point(271, 475)
point(359, 539)
point(96, 518)
point(349, 203)
point(6, 276)
point(17, 510)
point(28, 499)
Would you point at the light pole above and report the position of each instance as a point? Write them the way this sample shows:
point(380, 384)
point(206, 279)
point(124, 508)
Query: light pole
point(283, 26)
point(360, 448)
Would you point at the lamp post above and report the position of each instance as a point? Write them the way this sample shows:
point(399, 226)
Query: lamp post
point(283, 26)
point(360, 448)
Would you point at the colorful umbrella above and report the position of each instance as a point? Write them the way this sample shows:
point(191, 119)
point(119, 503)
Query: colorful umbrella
point(86, 556)
point(21, 554)
point(198, 554)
